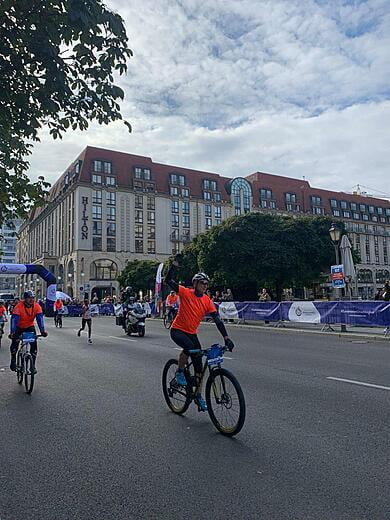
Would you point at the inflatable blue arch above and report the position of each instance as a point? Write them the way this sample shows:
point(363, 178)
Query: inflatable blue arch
point(47, 276)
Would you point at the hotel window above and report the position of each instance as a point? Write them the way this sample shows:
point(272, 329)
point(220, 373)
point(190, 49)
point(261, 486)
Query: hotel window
point(97, 243)
point(174, 190)
point(137, 186)
point(110, 181)
point(107, 167)
point(151, 232)
point(147, 174)
point(217, 197)
point(139, 216)
point(111, 244)
point(218, 221)
point(371, 209)
point(185, 192)
point(206, 184)
point(175, 220)
point(175, 206)
point(111, 213)
point(151, 246)
point(272, 204)
point(263, 204)
point(96, 179)
point(218, 212)
point(383, 219)
point(336, 213)
point(151, 203)
point(111, 198)
point(97, 166)
point(206, 195)
point(138, 231)
point(207, 210)
point(96, 197)
point(380, 211)
point(111, 229)
point(213, 185)
point(175, 234)
point(151, 217)
point(333, 203)
point(186, 221)
point(177, 179)
point(365, 216)
point(291, 197)
point(97, 212)
point(265, 193)
point(318, 211)
point(208, 223)
point(315, 200)
point(388, 211)
point(97, 228)
point(346, 214)
point(362, 207)
point(139, 201)
point(186, 207)
point(344, 204)
point(353, 206)
point(374, 218)
point(138, 173)
point(139, 246)
point(356, 216)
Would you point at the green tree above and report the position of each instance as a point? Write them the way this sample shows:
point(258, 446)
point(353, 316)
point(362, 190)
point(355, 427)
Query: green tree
point(57, 64)
point(255, 250)
point(139, 274)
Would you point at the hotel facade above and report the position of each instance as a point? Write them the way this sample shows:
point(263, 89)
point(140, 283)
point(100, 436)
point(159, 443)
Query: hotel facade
point(111, 207)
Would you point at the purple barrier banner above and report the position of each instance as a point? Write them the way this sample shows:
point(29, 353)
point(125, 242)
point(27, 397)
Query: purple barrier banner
point(363, 313)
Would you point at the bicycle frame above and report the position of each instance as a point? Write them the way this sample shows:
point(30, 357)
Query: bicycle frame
point(205, 366)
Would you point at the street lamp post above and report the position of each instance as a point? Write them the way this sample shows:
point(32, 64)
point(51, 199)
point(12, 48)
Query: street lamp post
point(335, 236)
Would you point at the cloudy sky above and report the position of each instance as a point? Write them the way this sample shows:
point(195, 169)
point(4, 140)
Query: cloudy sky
point(292, 87)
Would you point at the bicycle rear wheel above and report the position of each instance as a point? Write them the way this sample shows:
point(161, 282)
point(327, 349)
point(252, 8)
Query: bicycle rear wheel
point(176, 397)
point(225, 402)
point(19, 368)
point(28, 373)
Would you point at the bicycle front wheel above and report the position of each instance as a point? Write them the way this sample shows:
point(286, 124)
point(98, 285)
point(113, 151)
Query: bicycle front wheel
point(19, 368)
point(167, 322)
point(28, 373)
point(176, 397)
point(225, 402)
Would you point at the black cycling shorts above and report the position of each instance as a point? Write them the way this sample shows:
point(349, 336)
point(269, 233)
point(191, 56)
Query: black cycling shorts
point(188, 342)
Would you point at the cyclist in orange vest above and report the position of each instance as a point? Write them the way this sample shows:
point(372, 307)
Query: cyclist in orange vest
point(22, 320)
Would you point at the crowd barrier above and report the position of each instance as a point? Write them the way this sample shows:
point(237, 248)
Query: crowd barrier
point(358, 313)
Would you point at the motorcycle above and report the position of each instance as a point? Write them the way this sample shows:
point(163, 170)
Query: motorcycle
point(134, 319)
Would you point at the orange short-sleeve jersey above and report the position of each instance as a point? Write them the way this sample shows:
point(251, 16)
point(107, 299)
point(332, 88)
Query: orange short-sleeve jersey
point(26, 314)
point(192, 310)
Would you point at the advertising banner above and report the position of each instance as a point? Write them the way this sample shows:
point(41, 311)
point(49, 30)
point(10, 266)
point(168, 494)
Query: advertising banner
point(337, 276)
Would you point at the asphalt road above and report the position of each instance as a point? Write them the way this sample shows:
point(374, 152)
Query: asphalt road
point(96, 440)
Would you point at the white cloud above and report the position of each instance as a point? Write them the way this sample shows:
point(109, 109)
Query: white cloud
point(292, 87)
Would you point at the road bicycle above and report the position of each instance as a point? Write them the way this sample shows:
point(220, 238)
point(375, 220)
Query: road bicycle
point(58, 320)
point(169, 317)
point(24, 361)
point(2, 325)
point(224, 396)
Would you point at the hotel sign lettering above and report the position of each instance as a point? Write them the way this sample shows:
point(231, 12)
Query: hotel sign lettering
point(84, 219)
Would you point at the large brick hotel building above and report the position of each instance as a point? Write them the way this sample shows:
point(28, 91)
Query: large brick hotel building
point(109, 207)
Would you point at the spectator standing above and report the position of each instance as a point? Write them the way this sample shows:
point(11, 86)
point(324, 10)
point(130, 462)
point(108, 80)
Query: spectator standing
point(264, 296)
point(386, 292)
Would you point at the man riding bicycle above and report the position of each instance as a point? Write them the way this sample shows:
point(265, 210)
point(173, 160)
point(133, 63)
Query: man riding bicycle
point(3, 316)
point(171, 305)
point(22, 320)
point(194, 306)
point(58, 307)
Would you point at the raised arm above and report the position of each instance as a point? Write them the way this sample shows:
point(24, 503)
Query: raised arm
point(172, 274)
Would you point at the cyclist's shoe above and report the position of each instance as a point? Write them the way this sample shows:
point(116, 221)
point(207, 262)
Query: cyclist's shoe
point(89, 340)
point(34, 370)
point(181, 378)
point(13, 364)
point(202, 406)
point(78, 333)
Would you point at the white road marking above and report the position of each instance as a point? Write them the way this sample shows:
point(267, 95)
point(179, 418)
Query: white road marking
point(116, 337)
point(361, 383)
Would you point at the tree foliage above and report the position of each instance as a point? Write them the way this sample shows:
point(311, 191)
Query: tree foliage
point(252, 251)
point(139, 274)
point(57, 64)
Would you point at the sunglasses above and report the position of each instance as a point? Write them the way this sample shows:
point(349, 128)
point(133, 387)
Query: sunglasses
point(204, 283)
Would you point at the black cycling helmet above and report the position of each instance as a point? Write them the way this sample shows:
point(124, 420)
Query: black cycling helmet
point(200, 277)
point(29, 294)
